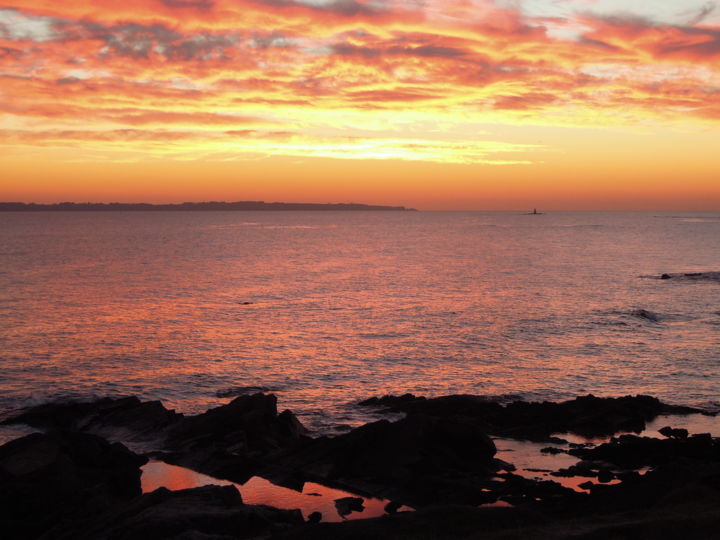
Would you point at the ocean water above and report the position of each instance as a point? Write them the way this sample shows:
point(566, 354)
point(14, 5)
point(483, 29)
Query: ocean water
point(327, 308)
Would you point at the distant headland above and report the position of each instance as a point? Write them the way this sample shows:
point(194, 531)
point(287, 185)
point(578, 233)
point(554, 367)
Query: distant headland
point(193, 207)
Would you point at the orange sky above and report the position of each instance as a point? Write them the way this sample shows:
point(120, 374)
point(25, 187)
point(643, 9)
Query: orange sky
point(437, 104)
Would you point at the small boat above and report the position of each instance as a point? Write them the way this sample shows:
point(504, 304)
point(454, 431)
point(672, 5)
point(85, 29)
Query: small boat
point(535, 213)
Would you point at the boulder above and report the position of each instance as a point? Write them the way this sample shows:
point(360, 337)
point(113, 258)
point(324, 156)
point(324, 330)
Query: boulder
point(674, 433)
point(347, 505)
point(233, 440)
point(45, 477)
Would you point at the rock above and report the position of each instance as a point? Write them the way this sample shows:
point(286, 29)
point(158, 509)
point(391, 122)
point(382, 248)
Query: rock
point(205, 512)
point(389, 401)
point(674, 433)
point(604, 476)
point(588, 416)
point(553, 450)
point(628, 476)
point(240, 391)
point(315, 517)
point(646, 315)
point(392, 507)
point(419, 456)
point(231, 441)
point(250, 421)
point(632, 452)
point(347, 505)
point(46, 477)
point(126, 418)
point(693, 276)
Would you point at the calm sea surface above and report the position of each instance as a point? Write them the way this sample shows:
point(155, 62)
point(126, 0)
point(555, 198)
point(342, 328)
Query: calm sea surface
point(325, 308)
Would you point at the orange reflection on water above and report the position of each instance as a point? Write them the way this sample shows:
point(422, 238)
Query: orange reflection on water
point(256, 491)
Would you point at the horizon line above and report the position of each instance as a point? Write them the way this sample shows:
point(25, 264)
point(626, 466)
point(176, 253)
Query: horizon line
point(337, 204)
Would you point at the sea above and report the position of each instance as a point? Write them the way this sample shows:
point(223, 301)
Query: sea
point(325, 309)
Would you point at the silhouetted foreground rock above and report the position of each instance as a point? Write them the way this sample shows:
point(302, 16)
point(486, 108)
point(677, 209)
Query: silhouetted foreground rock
point(417, 460)
point(631, 452)
point(439, 454)
point(46, 477)
point(234, 440)
point(664, 522)
point(229, 441)
point(588, 416)
point(678, 498)
point(206, 513)
point(125, 418)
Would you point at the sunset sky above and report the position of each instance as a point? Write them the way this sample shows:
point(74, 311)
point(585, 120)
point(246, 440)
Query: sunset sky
point(436, 104)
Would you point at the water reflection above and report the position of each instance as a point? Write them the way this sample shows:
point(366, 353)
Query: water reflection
point(313, 498)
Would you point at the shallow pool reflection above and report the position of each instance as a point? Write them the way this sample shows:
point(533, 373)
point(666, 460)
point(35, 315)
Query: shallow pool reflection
point(257, 490)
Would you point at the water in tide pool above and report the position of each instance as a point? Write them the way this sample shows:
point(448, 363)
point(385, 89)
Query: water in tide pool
point(327, 308)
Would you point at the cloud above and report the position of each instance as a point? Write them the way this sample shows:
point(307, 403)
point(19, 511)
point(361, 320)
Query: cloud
point(703, 13)
point(637, 35)
point(190, 4)
point(189, 71)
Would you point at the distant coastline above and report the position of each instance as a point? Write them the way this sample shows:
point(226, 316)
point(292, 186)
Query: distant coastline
point(194, 207)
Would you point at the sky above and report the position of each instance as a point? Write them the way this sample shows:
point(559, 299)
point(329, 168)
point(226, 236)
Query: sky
point(435, 104)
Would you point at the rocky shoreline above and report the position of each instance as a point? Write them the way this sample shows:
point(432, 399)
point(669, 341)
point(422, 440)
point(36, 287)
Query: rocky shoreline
point(76, 479)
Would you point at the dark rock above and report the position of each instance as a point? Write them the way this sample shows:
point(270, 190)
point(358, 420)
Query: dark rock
point(632, 452)
point(588, 416)
point(210, 511)
point(347, 505)
point(390, 401)
point(45, 477)
point(646, 315)
point(240, 391)
point(392, 507)
point(628, 476)
point(315, 517)
point(586, 485)
point(693, 276)
point(518, 490)
point(136, 419)
point(604, 476)
point(231, 441)
point(674, 433)
point(419, 456)
point(553, 450)
point(581, 445)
